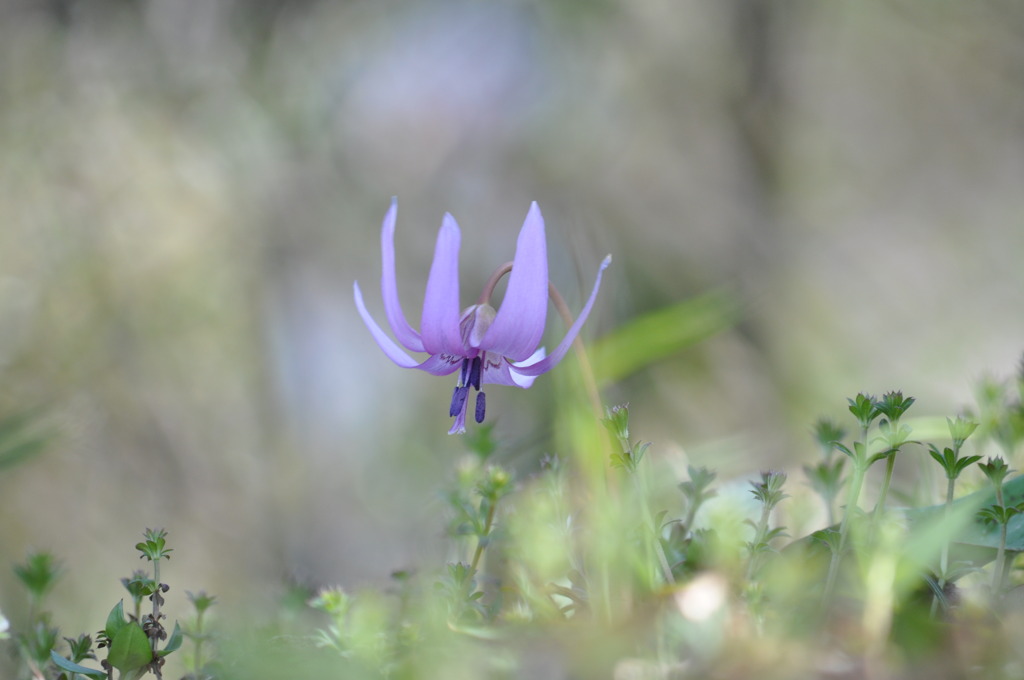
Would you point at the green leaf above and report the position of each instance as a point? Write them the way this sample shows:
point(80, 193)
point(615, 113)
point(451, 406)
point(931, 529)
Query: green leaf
point(977, 539)
point(19, 439)
point(174, 642)
point(655, 336)
point(130, 649)
point(73, 667)
point(115, 620)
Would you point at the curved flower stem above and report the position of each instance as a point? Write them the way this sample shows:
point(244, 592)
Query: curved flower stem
point(589, 381)
point(601, 575)
point(485, 294)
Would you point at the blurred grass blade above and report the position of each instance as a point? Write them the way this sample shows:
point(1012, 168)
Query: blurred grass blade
point(19, 439)
point(658, 335)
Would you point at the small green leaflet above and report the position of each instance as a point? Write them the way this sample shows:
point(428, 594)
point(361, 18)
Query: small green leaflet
point(130, 648)
point(73, 667)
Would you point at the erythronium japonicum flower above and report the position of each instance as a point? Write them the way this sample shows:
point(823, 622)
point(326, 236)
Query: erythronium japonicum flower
point(486, 346)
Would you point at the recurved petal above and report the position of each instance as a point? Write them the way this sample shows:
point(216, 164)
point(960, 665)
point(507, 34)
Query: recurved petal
point(519, 379)
point(393, 351)
point(389, 287)
point(440, 326)
point(519, 325)
point(440, 364)
point(548, 362)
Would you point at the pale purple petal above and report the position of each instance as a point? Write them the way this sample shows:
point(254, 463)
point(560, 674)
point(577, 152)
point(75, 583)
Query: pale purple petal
point(497, 373)
point(389, 287)
point(440, 364)
point(519, 325)
point(547, 363)
point(521, 380)
point(440, 326)
point(501, 372)
point(459, 426)
point(393, 351)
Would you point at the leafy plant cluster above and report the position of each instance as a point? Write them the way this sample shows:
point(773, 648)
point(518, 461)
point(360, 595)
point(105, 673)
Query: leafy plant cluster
point(133, 643)
point(602, 564)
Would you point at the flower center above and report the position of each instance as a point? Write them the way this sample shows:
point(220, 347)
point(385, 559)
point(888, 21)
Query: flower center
point(470, 375)
point(473, 324)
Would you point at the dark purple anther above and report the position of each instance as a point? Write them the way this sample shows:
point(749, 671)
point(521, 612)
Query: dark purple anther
point(481, 406)
point(474, 373)
point(458, 400)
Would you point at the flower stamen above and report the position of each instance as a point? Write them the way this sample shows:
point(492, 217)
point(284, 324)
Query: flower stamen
point(458, 400)
point(481, 406)
point(474, 373)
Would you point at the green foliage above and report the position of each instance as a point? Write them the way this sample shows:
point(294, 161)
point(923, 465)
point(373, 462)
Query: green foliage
point(131, 641)
point(80, 648)
point(73, 667)
point(864, 409)
point(129, 648)
point(658, 335)
point(201, 601)
point(20, 438)
point(464, 600)
point(827, 433)
point(37, 642)
point(480, 440)
point(769, 490)
point(893, 405)
point(617, 423)
point(972, 537)
point(174, 642)
point(996, 470)
point(39, 574)
point(950, 462)
point(139, 585)
point(153, 548)
point(616, 571)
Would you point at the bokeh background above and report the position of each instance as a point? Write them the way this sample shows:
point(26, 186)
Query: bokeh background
point(188, 189)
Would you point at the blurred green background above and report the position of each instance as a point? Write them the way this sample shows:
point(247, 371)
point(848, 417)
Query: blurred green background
point(188, 189)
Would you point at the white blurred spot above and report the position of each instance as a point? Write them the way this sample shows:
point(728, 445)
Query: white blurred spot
point(703, 597)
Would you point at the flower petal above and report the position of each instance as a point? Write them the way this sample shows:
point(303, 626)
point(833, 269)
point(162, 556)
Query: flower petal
point(438, 364)
point(389, 287)
point(519, 325)
point(459, 426)
point(440, 326)
point(548, 362)
point(501, 372)
point(393, 351)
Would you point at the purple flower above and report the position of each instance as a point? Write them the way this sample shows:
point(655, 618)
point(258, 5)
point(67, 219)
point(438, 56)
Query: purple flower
point(485, 346)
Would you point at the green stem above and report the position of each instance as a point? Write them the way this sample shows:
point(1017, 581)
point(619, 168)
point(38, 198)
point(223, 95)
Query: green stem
point(944, 562)
point(859, 469)
point(199, 643)
point(997, 571)
point(481, 542)
point(944, 557)
point(759, 534)
point(890, 463)
point(157, 594)
point(659, 551)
